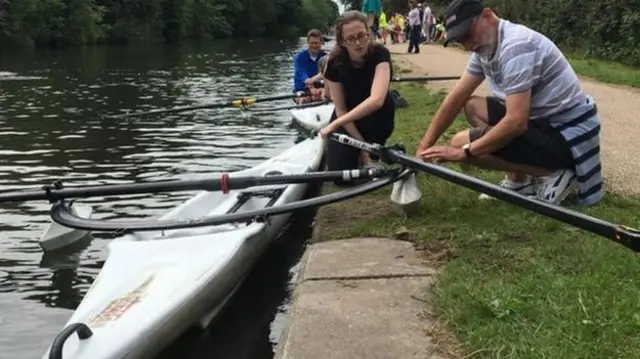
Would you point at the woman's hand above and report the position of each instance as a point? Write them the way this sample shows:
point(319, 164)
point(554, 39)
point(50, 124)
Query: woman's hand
point(327, 130)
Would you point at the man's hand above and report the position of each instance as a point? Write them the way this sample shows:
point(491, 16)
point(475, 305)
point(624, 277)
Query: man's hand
point(309, 82)
point(422, 146)
point(443, 154)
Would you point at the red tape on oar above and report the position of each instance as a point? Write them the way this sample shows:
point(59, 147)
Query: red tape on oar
point(224, 183)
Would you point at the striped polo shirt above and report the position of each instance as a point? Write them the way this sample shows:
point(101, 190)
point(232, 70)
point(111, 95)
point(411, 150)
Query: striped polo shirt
point(526, 59)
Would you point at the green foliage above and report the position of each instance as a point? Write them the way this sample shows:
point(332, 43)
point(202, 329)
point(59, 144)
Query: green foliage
point(52, 23)
point(319, 14)
point(603, 29)
point(391, 7)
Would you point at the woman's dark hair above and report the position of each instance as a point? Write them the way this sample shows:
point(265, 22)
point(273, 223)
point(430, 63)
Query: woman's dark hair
point(339, 55)
point(322, 64)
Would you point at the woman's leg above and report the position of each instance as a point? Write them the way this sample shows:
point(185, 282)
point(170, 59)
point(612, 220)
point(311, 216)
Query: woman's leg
point(341, 157)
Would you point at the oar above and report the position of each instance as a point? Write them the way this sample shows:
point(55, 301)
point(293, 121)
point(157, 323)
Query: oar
point(320, 84)
point(288, 107)
point(424, 78)
point(224, 183)
point(405, 192)
point(627, 236)
point(241, 102)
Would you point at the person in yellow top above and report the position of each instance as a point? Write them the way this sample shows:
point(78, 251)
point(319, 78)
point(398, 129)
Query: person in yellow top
point(399, 27)
point(382, 26)
point(391, 27)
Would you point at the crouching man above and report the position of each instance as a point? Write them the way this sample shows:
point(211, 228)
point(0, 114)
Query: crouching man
point(539, 126)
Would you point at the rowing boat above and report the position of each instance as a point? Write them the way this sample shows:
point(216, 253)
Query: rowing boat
point(155, 285)
point(56, 236)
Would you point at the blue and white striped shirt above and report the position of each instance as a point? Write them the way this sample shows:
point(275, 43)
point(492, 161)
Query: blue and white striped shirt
point(526, 59)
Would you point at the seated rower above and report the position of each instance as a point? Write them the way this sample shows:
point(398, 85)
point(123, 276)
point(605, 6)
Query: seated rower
point(306, 65)
point(358, 75)
point(318, 80)
point(540, 126)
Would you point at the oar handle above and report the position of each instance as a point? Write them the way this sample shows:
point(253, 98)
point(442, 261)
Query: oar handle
point(225, 183)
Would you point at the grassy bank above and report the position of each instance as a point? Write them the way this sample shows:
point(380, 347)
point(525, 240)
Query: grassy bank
point(514, 284)
point(605, 71)
point(599, 70)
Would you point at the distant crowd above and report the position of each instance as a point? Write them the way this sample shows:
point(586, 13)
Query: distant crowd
point(397, 28)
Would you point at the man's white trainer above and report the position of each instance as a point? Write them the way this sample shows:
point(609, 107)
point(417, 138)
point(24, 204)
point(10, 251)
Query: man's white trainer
point(525, 188)
point(555, 187)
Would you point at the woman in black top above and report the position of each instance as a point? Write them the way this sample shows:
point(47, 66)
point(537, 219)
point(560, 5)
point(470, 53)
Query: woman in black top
point(358, 75)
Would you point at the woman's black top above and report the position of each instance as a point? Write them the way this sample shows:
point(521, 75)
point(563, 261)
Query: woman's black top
point(356, 84)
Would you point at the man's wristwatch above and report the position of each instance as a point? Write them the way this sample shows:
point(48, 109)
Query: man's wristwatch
point(467, 150)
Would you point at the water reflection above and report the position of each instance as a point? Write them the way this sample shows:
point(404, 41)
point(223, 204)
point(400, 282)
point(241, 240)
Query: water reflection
point(54, 126)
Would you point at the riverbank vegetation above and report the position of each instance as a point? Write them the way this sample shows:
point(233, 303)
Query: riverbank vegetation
point(58, 23)
point(597, 36)
point(513, 284)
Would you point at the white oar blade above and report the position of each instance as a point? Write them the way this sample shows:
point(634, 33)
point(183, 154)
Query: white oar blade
point(57, 236)
point(407, 194)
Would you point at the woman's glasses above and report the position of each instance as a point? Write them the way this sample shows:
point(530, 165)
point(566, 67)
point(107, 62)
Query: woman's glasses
point(360, 38)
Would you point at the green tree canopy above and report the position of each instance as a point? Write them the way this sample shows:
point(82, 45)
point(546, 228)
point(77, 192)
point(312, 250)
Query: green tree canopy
point(55, 23)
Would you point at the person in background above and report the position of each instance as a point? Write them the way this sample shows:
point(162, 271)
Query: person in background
point(421, 14)
point(325, 93)
point(414, 27)
point(382, 24)
point(400, 25)
point(372, 8)
point(439, 32)
point(432, 27)
point(427, 25)
point(306, 65)
point(391, 27)
point(358, 75)
point(406, 29)
point(539, 126)
point(315, 84)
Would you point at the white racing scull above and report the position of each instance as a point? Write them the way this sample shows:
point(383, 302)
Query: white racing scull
point(154, 285)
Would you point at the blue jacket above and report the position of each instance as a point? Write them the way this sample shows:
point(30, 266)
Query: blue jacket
point(304, 68)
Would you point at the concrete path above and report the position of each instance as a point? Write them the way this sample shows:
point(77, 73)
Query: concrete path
point(360, 298)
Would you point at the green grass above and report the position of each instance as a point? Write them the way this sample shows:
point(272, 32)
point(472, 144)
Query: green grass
point(600, 70)
point(514, 284)
point(606, 71)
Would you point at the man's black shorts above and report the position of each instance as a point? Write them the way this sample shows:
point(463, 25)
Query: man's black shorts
point(539, 146)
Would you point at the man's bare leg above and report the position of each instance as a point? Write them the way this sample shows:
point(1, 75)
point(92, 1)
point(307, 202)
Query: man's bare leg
point(496, 163)
point(477, 114)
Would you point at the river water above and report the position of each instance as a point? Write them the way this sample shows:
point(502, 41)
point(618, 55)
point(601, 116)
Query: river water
point(52, 126)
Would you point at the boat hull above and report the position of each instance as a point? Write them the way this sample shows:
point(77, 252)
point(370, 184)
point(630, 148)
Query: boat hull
point(155, 285)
